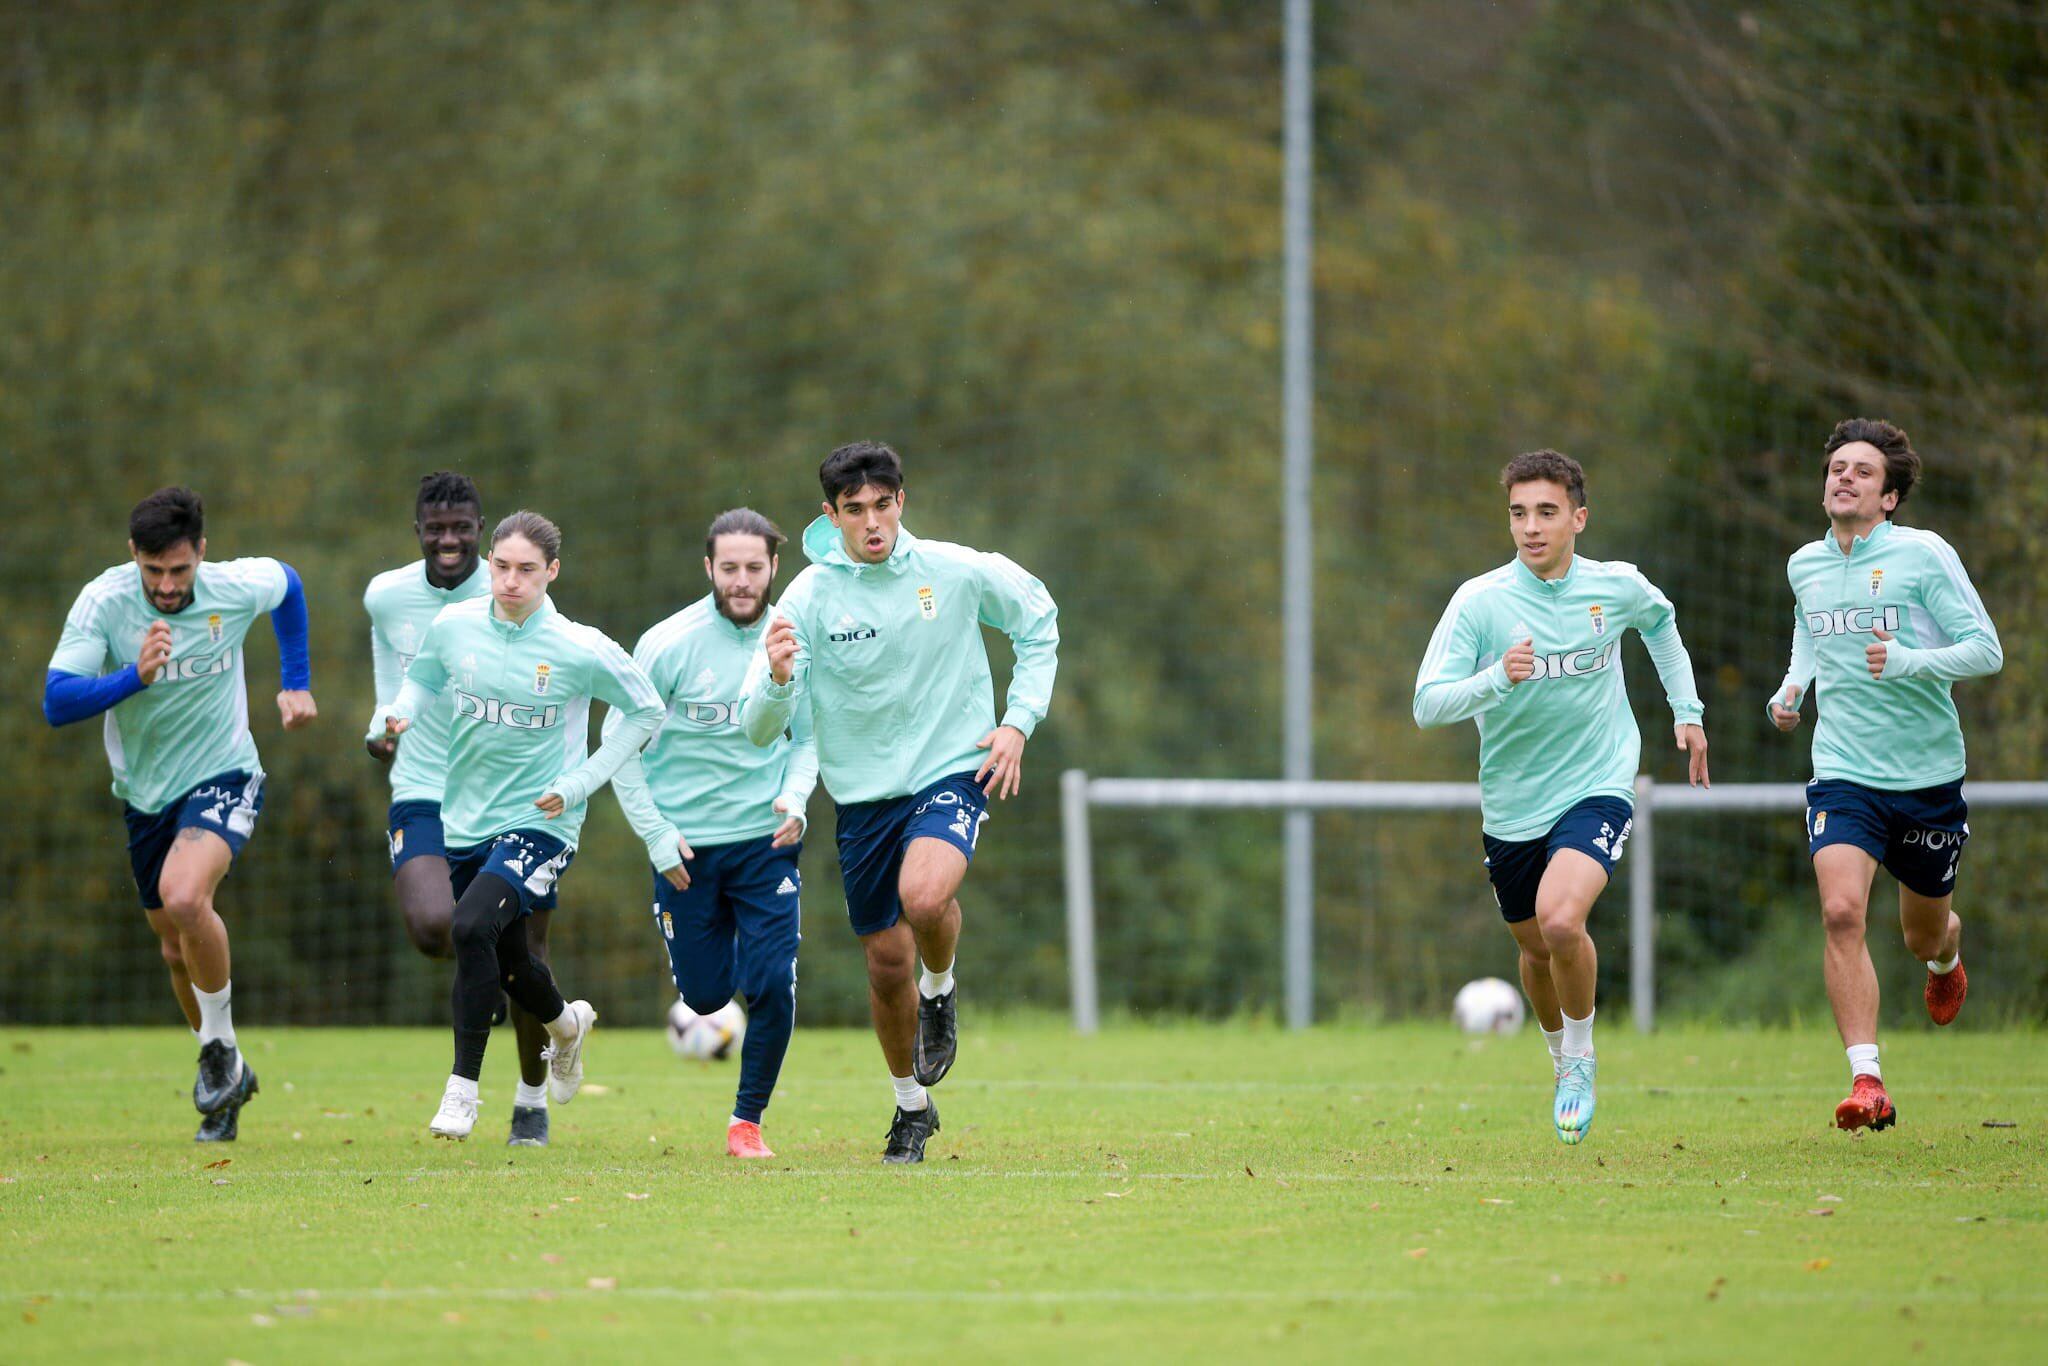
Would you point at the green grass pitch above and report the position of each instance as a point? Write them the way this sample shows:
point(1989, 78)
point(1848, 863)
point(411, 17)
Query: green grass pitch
point(1201, 1192)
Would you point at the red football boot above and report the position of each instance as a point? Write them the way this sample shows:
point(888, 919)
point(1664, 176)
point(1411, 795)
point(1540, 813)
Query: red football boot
point(1867, 1106)
point(1945, 993)
point(744, 1140)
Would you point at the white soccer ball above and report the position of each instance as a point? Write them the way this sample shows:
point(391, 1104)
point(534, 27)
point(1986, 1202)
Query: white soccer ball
point(1487, 1006)
point(706, 1038)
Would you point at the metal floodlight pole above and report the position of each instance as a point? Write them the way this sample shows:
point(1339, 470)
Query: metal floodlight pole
point(1297, 580)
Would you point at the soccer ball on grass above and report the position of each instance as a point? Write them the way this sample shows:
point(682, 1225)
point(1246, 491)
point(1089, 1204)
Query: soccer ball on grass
point(707, 1038)
point(1487, 1006)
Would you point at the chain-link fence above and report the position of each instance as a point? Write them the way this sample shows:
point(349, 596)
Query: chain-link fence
point(633, 263)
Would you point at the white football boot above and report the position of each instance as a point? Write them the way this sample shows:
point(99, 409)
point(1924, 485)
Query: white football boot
point(565, 1057)
point(457, 1115)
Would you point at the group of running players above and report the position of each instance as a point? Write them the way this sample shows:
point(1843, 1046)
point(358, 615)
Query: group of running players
point(871, 673)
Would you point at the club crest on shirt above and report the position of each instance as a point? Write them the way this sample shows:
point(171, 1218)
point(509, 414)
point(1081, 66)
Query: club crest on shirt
point(213, 628)
point(1876, 582)
point(540, 678)
point(668, 926)
point(1599, 619)
point(927, 605)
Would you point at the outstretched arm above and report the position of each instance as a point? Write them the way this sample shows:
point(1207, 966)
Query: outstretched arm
point(1451, 686)
point(288, 620)
point(617, 681)
point(69, 697)
point(1953, 603)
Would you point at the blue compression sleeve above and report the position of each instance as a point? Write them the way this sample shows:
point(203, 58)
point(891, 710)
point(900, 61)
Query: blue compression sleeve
point(74, 697)
point(288, 620)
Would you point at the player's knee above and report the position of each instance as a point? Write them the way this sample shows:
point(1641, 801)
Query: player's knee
point(473, 930)
point(923, 905)
point(430, 931)
point(704, 1000)
point(173, 952)
point(889, 959)
point(1922, 943)
point(1841, 913)
point(186, 906)
point(1562, 926)
point(1536, 958)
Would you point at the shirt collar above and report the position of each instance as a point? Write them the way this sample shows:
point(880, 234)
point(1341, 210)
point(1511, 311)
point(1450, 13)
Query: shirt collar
point(525, 628)
point(733, 630)
point(1527, 576)
point(1869, 540)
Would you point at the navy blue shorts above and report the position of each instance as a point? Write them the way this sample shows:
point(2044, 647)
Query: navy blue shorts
point(873, 836)
point(1918, 836)
point(531, 860)
point(414, 829)
point(736, 926)
point(226, 805)
point(1597, 827)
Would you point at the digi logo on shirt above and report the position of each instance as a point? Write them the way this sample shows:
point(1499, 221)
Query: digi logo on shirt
point(179, 670)
point(712, 713)
point(1856, 621)
point(1573, 663)
point(492, 712)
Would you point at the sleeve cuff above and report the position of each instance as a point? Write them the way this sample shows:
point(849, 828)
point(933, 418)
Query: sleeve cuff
point(1019, 719)
point(378, 721)
point(570, 789)
point(1901, 661)
point(662, 851)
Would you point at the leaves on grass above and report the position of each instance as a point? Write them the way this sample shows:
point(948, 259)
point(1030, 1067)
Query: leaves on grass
point(1714, 1290)
point(551, 1258)
point(1417, 1253)
point(602, 1283)
point(216, 1166)
point(636, 1195)
point(1820, 1263)
point(1821, 1213)
point(2001, 1124)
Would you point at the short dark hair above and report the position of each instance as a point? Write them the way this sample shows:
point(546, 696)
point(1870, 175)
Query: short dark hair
point(858, 464)
point(743, 522)
point(166, 517)
point(1555, 466)
point(1901, 461)
point(445, 488)
point(545, 535)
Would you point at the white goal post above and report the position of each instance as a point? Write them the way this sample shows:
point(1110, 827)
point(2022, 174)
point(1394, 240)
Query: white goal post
point(1080, 793)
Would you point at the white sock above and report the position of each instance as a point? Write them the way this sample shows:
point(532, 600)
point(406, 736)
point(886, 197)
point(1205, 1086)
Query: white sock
point(1863, 1061)
point(1553, 1039)
point(935, 984)
point(562, 1029)
point(909, 1094)
point(216, 1019)
point(1941, 969)
point(534, 1097)
point(734, 1120)
point(461, 1086)
point(1578, 1036)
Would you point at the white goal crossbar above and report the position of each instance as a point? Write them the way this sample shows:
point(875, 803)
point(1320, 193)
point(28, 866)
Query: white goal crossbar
point(1079, 793)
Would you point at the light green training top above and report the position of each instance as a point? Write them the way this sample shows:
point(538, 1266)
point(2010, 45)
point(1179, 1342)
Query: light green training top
point(1565, 734)
point(701, 778)
point(891, 664)
point(521, 724)
point(402, 604)
point(193, 722)
point(1898, 732)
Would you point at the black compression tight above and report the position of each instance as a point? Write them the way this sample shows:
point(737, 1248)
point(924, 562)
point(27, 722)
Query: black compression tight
point(491, 952)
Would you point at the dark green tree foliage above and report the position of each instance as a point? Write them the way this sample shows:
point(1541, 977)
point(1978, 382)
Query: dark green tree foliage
point(634, 263)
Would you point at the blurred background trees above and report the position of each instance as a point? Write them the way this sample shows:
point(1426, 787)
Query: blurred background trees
point(633, 263)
